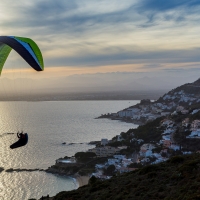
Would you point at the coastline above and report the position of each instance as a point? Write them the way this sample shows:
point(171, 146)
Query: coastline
point(132, 121)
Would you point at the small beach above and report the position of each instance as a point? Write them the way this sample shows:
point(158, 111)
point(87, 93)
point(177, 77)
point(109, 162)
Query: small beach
point(82, 180)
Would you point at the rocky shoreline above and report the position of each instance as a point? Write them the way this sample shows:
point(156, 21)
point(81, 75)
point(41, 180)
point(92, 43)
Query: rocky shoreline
point(10, 170)
point(58, 171)
point(127, 120)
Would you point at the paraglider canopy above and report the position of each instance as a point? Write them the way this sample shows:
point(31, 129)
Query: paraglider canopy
point(25, 47)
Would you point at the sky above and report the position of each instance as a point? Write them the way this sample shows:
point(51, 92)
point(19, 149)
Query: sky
point(107, 40)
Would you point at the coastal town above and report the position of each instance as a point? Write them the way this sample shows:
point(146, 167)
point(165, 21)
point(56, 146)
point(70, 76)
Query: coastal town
point(169, 126)
point(145, 111)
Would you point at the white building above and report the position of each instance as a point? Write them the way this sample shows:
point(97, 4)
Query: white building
point(119, 156)
point(145, 153)
point(195, 133)
point(184, 111)
point(195, 125)
point(165, 113)
point(112, 161)
point(126, 162)
point(147, 146)
point(104, 151)
point(125, 113)
point(167, 122)
point(129, 112)
point(179, 108)
point(195, 111)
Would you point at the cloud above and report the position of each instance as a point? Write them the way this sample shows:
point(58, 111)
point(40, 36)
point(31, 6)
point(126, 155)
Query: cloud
point(67, 15)
point(180, 12)
point(98, 33)
point(123, 56)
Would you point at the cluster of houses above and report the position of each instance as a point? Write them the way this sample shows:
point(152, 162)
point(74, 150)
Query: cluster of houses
point(105, 151)
point(149, 152)
point(147, 111)
point(194, 126)
point(195, 129)
point(169, 104)
point(120, 162)
point(146, 153)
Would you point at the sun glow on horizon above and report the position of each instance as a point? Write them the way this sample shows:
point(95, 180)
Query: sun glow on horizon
point(64, 71)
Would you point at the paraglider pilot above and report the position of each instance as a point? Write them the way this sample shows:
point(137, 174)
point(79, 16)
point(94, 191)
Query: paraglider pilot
point(23, 140)
point(20, 135)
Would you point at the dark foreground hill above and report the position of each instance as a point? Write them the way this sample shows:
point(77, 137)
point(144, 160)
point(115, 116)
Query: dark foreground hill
point(176, 179)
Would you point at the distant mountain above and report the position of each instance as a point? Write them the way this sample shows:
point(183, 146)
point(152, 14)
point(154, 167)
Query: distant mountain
point(59, 88)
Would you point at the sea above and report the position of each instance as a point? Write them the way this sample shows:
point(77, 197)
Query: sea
point(49, 124)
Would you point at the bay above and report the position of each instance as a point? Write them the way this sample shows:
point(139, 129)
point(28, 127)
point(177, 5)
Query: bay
point(48, 125)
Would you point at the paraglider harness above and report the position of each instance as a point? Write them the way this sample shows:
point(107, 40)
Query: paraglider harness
point(23, 139)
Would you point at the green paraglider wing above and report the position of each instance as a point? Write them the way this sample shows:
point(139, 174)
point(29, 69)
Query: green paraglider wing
point(25, 47)
point(4, 52)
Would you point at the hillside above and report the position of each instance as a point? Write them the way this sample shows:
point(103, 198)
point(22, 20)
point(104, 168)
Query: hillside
point(178, 178)
point(185, 96)
point(171, 130)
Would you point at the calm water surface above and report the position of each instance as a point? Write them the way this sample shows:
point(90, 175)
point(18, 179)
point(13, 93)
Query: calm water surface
point(49, 124)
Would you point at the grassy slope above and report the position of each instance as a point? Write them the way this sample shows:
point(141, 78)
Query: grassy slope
point(178, 179)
